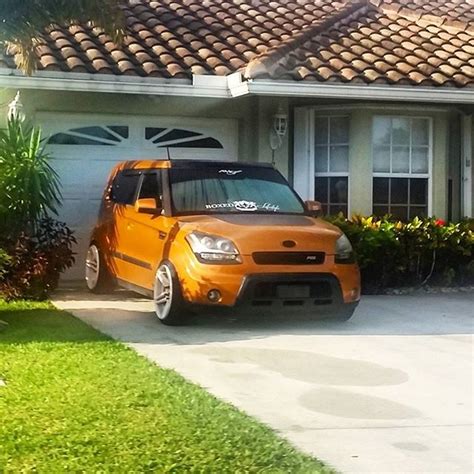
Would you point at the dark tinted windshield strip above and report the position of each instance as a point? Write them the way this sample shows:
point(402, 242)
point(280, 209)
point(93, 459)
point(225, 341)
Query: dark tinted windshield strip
point(232, 190)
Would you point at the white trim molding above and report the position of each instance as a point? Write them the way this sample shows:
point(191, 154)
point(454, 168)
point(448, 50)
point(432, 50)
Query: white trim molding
point(229, 86)
point(467, 156)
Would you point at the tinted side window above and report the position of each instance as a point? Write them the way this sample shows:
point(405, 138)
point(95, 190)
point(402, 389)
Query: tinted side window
point(124, 187)
point(151, 187)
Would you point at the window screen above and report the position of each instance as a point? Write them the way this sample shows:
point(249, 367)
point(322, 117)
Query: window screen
point(401, 147)
point(331, 163)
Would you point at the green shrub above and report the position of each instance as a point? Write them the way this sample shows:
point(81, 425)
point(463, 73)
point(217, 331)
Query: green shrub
point(30, 186)
point(36, 248)
point(5, 259)
point(37, 260)
point(392, 253)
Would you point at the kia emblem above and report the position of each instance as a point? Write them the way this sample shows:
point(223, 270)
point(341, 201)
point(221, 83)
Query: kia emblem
point(288, 243)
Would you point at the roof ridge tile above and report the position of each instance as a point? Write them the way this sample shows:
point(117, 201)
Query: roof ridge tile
point(270, 59)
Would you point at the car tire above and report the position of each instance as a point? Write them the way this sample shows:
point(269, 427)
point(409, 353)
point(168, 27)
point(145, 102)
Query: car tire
point(344, 314)
point(168, 301)
point(98, 277)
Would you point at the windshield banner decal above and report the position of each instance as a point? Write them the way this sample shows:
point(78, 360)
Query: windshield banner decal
point(246, 206)
point(230, 172)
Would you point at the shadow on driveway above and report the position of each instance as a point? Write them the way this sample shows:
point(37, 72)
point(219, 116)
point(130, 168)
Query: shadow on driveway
point(129, 317)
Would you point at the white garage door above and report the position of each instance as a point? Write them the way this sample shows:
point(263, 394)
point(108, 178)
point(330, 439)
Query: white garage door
point(85, 148)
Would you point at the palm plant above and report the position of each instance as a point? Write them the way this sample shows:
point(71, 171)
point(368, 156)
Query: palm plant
point(29, 185)
point(25, 23)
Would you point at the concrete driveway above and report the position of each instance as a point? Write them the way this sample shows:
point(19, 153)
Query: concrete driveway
point(389, 391)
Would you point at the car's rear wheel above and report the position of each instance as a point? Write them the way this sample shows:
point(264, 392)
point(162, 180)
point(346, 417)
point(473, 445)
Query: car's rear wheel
point(167, 299)
point(98, 277)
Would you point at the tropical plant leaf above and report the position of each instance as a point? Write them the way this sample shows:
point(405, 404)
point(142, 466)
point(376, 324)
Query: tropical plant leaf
point(25, 23)
point(31, 187)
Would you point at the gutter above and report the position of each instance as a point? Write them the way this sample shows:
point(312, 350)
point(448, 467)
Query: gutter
point(200, 86)
point(226, 87)
point(450, 95)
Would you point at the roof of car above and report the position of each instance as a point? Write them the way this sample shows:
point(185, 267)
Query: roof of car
point(174, 163)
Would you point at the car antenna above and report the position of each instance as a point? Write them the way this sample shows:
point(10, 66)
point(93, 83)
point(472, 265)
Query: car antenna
point(168, 152)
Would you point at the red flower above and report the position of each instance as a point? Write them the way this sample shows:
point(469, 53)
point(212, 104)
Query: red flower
point(440, 222)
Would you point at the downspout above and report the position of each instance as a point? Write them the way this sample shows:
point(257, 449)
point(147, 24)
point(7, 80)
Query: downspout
point(466, 147)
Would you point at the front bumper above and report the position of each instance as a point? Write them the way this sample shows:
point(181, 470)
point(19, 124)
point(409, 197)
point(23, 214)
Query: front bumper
point(321, 291)
point(258, 286)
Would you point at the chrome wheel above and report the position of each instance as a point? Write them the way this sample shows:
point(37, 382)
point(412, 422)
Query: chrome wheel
point(163, 292)
point(92, 267)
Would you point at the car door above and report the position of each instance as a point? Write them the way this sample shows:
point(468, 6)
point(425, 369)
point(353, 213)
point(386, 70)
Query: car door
point(146, 234)
point(122, 197)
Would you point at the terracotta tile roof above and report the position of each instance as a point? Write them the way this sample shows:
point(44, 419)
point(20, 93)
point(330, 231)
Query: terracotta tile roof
point(386, 43)
point(368, 41)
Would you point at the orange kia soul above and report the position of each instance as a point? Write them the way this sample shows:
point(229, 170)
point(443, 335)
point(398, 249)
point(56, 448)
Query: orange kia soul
point(194, 234)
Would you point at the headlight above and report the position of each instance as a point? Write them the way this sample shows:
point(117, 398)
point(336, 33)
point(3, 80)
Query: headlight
point(344, 253)
point(213, 249)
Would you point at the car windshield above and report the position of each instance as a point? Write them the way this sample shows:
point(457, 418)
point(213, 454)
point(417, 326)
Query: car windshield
point(218, 189)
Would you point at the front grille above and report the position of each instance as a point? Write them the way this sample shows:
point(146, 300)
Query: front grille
point(288, 258)
point(270, 290)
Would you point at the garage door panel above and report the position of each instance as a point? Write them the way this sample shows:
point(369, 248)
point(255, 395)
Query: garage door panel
point(98, 173)
point(74, 171)
point(71, 212)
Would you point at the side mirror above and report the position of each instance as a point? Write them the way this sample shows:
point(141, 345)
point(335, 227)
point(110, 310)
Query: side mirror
point(314, 208)
point(147, 206)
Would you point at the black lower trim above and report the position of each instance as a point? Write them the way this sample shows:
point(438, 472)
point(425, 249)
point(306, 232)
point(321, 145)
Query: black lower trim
point(291, 292)
point(135, 288)
point(132, 260)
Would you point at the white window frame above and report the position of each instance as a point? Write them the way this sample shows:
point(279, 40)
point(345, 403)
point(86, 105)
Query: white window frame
point(328, 174)
point(409, 175)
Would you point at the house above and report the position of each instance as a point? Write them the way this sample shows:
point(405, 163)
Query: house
point(364, 105)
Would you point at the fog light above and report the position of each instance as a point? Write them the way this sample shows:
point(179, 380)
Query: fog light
point(214, 296)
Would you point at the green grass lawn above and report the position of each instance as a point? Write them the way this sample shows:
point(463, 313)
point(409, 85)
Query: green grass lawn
point(77, 401)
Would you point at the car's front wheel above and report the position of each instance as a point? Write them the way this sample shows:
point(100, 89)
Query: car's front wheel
point(98, 278)
point(345, 313)
point(167, 299)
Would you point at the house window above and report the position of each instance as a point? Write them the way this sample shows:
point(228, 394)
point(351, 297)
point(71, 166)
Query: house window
point(401, 149)
point(109, 135)
point(331, 155)
point(179, 138)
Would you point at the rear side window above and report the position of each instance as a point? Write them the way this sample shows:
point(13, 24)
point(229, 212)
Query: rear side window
point(151, 186)
point(124, 188)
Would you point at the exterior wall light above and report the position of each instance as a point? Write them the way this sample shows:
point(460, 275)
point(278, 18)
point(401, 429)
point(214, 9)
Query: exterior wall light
point(278, 130)
point(280, 122)
point(15, 108)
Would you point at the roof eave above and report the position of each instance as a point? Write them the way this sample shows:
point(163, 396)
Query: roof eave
point(203, 86)
point(229, 87)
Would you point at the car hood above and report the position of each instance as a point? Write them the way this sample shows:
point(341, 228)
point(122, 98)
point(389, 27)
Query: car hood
point(262, 232)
